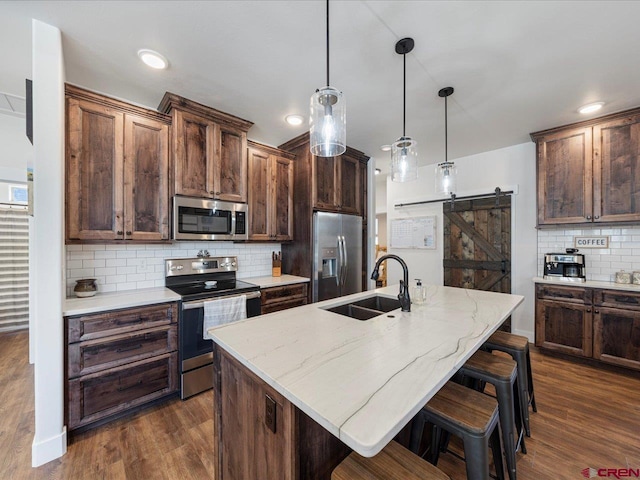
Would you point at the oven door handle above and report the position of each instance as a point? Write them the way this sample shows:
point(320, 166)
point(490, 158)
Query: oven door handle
point(200, 303)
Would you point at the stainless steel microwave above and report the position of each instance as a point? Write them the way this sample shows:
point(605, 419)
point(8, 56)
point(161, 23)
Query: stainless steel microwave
point(205, 219)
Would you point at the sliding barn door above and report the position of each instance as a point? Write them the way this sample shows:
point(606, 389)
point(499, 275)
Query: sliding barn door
point(477, 245)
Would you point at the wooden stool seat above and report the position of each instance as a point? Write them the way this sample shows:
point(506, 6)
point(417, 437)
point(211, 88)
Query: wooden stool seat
point(500, 367)
point(468, 414)
point(509, 340)
point(393, 463)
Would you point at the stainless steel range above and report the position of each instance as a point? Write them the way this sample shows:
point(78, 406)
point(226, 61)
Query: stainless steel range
point(198, 280)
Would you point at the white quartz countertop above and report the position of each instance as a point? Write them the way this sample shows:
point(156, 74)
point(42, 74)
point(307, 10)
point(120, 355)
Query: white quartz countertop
point(113, 300)
point(266, 282)
point(364, 380)
point(591, 284)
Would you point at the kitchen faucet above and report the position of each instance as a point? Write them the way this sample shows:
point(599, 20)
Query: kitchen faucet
point(403, 296)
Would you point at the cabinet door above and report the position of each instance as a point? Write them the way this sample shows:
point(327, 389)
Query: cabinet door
point(616, 163)
point(565, 177)
point(195, 138)
point(325, 188)
point(94, 171)
point(259, 195)
point(616, 336)
point(564, 327)
point(230, 168)
point(282, 199)
point(146, 179)
point(349, 185)
point(251, 449)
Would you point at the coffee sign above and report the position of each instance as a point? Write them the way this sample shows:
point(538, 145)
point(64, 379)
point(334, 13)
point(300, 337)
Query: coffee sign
point(591, 242)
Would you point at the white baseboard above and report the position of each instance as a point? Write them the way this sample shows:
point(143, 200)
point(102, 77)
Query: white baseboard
point(49, 449)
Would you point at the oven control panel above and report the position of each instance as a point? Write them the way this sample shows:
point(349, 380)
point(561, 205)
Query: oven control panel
point(194, 266)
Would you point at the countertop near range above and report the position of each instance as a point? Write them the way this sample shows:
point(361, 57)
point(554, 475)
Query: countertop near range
point(115, 300)
point(266, 282)
point(630, 287)
point(364, 380)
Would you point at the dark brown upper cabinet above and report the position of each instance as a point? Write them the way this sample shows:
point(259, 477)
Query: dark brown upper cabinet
point(117, 170)
point(336, 183)
point(209, 150)
point(270, 193)
point(590, 172)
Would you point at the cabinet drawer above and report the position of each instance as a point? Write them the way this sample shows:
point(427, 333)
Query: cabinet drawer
point(565, 294)
point(617, 299)
point(96, 396)
point(278, 294)
point(88, 327)
point(94, 355)
point(284, 305)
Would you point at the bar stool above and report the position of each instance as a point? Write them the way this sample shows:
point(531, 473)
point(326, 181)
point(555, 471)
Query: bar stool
point(501, 373)
point(468, 414)
point(518, 347)
point(393, 463)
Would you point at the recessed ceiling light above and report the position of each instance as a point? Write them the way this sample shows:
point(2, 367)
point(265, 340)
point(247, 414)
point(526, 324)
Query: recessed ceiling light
point(592, 107)
point(153, 59)
point(378, 171)
point(294, 119)
point(385, 148)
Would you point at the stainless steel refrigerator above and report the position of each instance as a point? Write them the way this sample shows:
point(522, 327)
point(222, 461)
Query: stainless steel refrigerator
point(337, 255)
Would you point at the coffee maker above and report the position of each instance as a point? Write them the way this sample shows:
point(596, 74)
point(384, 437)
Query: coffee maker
point(567, 267)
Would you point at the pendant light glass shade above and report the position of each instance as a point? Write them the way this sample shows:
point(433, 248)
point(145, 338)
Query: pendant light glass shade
point(446, 177)
point(328, 117)
point(446, 172)
point(404, 160)
point(328, 123)
point(404, 151)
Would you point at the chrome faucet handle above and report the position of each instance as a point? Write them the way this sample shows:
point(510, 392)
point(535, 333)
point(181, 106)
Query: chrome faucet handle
point(200, 254)
point(206, 253)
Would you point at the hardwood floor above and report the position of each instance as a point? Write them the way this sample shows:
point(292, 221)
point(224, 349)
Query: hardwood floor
point(587, 417)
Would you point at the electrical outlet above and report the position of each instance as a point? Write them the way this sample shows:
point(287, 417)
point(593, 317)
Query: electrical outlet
point(270, 413)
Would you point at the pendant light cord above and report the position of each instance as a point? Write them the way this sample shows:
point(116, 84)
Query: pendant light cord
point(404, 93)
point(328, 84)
point(446, 141)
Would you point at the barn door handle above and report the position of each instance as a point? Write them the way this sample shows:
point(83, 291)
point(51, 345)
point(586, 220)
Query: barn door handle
point(504, 266)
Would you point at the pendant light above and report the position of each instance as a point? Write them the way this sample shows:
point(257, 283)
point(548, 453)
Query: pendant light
point(446, 172)
point(404, 152)
point(328, 117)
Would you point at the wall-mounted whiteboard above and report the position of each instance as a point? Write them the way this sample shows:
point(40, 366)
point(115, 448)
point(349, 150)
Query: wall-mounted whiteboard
point(416, 232)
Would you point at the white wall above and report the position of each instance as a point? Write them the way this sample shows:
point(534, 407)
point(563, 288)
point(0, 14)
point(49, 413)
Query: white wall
point(507, 168)
point(46, 246)
point(15, 149)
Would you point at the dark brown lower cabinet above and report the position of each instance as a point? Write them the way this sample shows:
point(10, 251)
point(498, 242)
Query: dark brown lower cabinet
point(260, 434)
point(564, 327)
point(616, 336)
point(126, 358)
point(274, 299)
point(588, 322)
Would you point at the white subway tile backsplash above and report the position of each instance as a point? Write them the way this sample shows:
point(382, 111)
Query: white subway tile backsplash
point(601, 264)
point(135, 266)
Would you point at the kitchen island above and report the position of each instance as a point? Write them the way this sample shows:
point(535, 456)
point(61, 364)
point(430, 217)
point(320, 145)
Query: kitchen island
point(296, 390)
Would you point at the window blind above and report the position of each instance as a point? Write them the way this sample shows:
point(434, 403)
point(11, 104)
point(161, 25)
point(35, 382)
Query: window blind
point(14, 268)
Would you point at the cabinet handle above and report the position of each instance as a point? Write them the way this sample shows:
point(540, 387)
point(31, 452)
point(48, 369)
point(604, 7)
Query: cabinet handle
point(212, 192)
point(119, 232)
point(128, 232)
point(588, 310)
point(596, 311)
point(596, 216)
point(217, 193)
point(588, 217)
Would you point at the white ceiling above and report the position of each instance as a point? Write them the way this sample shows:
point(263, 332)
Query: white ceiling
point(517, 67)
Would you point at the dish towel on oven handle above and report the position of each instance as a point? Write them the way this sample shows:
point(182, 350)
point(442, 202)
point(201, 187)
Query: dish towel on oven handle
point(223, 310)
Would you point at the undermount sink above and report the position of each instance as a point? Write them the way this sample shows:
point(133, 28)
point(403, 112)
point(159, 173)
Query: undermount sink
point(366, 308)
